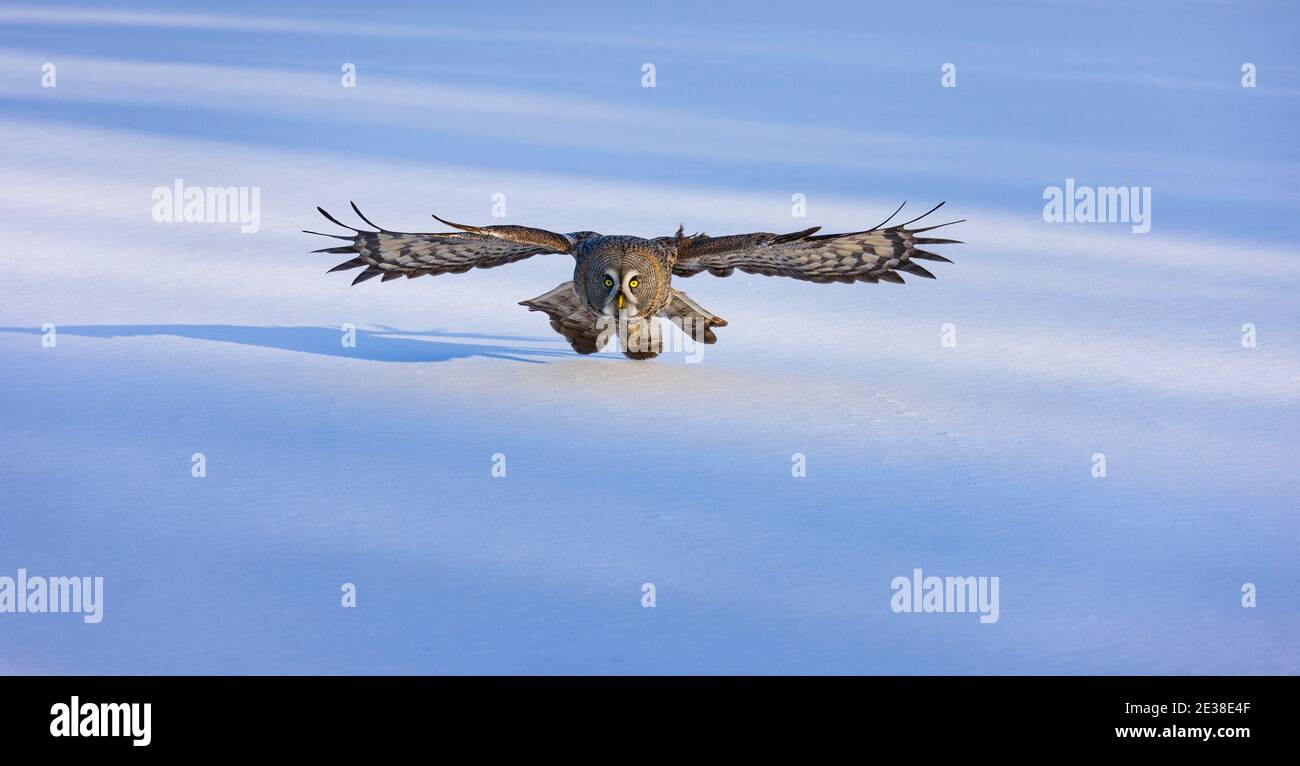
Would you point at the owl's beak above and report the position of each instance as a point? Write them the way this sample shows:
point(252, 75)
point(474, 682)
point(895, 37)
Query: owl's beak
point(620, 300)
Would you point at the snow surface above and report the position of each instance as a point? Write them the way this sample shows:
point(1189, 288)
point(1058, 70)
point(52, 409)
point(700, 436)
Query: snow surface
point(371, 465)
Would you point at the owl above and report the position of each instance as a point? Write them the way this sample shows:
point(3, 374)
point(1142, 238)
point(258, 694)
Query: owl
point(622, 284)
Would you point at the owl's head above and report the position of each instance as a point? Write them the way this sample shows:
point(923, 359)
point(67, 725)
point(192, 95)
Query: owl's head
point(623, 282)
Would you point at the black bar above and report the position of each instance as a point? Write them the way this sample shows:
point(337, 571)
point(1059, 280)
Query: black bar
point(327, 713)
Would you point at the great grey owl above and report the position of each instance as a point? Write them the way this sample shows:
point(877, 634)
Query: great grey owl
point(621, 283)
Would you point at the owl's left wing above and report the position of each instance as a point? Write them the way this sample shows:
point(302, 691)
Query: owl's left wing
point(874, 255)
point(393, 254)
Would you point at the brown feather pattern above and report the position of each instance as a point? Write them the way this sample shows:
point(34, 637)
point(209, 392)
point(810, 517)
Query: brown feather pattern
point(874, 255)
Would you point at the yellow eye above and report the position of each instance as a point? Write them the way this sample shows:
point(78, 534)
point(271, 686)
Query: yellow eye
point(609, 282)
point(633, 284)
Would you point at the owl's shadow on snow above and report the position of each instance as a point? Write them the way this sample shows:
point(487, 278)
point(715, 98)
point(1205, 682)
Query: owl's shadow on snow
point(380, 345)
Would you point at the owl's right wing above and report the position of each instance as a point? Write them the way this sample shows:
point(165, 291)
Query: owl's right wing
point(874, 255)
point(393, 254)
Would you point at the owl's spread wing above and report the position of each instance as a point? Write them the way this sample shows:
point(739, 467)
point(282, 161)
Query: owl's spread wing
point(393, 254)
point(874, 255)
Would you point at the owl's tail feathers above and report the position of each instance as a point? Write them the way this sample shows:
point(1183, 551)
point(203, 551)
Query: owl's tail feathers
point(569, 318)
point(693, 319)
point(587, 332)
